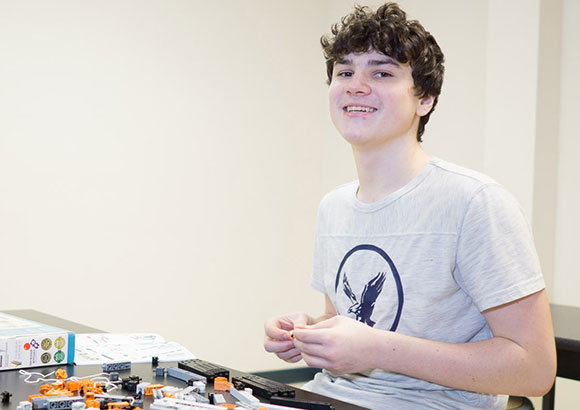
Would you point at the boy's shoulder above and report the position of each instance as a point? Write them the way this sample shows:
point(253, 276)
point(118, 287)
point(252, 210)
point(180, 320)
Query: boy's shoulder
point(456, 173)
point(342, 193)
point(466, 187)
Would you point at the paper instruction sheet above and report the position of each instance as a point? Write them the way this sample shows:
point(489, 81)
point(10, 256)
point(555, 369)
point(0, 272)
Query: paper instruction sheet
point(97, 348)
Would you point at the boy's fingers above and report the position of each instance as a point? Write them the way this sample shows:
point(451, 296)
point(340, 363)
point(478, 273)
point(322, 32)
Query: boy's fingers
point(276, 346)
point(309, 335)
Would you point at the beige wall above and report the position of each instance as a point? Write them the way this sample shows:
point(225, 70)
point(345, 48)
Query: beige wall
point(159, 165)
point(161, 161)
point(567, 245)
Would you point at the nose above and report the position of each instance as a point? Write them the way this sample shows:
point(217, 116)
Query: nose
point(358, 85)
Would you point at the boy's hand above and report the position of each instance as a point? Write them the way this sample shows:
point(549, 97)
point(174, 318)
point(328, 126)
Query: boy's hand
point(277, 338)
point(339, 344)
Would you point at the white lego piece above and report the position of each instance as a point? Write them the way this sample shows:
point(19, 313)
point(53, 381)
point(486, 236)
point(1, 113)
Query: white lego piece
point(200, 386)
point(219, 398)
point(78, 405)
point(141, 388)
point(24, 405)
point(243, 396)
point(170, 389)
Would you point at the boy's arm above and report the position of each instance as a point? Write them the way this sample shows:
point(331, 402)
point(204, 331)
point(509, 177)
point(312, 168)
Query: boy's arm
point(520, 358)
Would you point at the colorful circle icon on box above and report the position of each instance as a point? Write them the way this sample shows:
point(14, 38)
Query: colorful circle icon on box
point(59, 356)
point(45, 358)
point(59, 343)
point(46, 343)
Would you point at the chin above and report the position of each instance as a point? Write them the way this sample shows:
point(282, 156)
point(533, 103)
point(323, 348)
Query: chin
point(357, 141)
point(356, 136)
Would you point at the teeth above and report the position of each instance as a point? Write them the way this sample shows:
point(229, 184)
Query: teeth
point(358, 108)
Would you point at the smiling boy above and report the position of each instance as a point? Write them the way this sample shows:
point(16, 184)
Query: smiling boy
point(433, 290)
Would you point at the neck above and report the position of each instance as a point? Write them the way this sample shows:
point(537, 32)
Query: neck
point(383, 170)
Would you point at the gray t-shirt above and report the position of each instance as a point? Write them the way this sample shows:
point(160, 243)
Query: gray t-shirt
point(425, 262)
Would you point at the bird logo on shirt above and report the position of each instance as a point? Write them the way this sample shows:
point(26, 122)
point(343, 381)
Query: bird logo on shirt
point(389, 308)
point(364, 309)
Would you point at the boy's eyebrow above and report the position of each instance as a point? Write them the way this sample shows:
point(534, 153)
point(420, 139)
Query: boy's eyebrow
point(386, 60)
point(382, 61)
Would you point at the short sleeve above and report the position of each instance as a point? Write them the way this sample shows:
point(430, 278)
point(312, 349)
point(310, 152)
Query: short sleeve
point(496, 260)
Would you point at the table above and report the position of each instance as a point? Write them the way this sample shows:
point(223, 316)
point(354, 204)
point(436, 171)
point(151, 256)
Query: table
point(13, 381)
point(567, 331)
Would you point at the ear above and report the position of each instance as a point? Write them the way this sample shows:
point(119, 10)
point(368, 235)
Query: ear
point(425, 105)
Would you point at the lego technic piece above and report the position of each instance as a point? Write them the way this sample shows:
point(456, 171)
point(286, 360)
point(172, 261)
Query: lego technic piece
point(82, 386)
point(159, 371)
point(184, 375)
point(190, 394)
point(218, 399)
point(72, 385)
point(207, 369)
point(179, 394)
point(169, 391)
point(55, 389)
point(141, 388)
point(114, 376)
point(150, 387)
point(78, 405)
point(243, 396)
point(138, 402)
point(130, 383)
point(24, 405)
point(263, 387)
point(221, 384)
point(114, 405)
point(5, 395)
point(90, 401)
point(154, 361)
point(116, 366)
point(106, 398)
point(199, 385)
point(301, 404)
point(34, 396)
point(56, 402)
point(61, 374)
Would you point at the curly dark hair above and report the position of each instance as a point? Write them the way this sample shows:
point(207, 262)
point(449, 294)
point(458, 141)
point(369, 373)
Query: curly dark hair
point(389, 32)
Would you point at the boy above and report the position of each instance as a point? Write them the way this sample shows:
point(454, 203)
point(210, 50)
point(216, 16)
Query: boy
point(434, 295)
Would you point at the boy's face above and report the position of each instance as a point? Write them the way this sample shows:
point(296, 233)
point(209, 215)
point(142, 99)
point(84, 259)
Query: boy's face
point(373, 101)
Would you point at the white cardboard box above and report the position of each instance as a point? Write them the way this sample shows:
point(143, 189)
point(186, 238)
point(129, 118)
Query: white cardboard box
point(24, 343)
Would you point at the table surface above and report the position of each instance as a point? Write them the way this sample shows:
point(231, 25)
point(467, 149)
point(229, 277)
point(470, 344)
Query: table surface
point(566, 321)
point(14, 382)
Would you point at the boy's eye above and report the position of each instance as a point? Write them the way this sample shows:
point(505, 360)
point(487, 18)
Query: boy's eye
point(383, 74)
point(345, 74)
